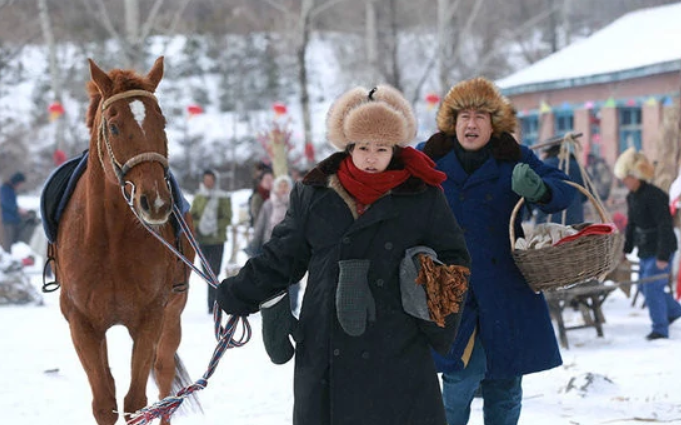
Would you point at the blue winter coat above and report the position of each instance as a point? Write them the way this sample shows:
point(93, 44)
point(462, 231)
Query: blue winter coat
point(8, 200)
point(512, 321)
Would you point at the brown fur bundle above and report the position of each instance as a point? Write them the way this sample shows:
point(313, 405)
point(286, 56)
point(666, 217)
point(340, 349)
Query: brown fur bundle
point(446, 286)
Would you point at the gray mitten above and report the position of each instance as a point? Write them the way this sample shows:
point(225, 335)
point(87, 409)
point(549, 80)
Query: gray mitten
point(277, 324)
point(354, 302)
point(414, 299)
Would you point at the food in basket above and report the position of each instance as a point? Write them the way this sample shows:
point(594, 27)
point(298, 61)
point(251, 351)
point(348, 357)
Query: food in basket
point(545, 234)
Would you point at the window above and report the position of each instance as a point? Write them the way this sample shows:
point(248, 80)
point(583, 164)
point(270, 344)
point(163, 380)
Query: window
point(629, 128)
point(529, 127)
point(563, 122)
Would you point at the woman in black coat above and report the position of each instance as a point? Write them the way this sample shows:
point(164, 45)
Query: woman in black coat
point(360, 358)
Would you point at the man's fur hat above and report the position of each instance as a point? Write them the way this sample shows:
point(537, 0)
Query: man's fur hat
point(480, 94)
point(632, 163)
point(381, 114)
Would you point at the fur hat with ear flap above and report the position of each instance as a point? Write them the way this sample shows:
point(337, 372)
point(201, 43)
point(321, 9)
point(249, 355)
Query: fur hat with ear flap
point(381, 114)
point(635, 164)
point(479, 94)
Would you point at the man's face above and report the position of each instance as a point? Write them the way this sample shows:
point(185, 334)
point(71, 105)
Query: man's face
point(208, 181)
point(473, 129)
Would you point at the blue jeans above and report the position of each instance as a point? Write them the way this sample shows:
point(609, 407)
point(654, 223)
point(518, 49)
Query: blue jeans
point(502, 398)
point(661, 305)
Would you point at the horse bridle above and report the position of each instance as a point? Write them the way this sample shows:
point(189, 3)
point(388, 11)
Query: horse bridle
point(122, 170)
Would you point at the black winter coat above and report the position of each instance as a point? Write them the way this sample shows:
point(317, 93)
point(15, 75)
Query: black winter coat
point(386, 375)
point(650, 226)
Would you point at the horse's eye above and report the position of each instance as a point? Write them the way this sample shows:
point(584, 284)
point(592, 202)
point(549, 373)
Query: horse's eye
point(113, 129)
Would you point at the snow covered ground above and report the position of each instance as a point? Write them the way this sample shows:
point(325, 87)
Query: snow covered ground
point(43, 382)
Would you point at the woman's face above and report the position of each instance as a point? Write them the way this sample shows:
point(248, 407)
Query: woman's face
point(266, 181)
point(372, 157)
point(282, 189)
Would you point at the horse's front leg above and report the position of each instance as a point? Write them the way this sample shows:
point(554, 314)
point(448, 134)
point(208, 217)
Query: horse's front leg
point(145, 337)
point(90, 344)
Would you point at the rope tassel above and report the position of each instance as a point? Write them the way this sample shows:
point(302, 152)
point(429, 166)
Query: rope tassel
point(165, 408)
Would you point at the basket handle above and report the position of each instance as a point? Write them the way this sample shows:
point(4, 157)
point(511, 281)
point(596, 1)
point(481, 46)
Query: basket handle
point(514, 213)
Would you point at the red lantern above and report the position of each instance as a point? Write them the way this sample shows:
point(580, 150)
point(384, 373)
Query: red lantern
point(56, 110)
point(194, 110)
point(309, 151)
point(59, 157)
point(432, 99)
point(279, 109)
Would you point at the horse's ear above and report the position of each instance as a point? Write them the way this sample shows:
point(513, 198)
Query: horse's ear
point(156, 72)
point(101, 79)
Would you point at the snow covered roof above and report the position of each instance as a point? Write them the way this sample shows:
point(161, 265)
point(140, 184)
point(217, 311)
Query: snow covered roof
point(641, 43)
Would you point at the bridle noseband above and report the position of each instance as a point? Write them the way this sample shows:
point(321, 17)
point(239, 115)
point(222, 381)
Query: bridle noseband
point(122, 170)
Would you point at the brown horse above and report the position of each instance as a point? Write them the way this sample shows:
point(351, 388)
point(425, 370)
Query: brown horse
point(112, 270)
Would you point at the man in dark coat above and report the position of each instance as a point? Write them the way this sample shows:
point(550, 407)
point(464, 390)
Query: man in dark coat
point(505, 331)
point(12, 214)
point(650, 229)
point(360, 358)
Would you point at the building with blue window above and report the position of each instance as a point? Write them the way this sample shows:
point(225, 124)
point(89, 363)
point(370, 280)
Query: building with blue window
point(613, 87)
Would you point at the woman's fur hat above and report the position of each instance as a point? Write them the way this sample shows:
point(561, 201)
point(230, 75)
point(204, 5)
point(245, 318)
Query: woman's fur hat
point(632, 163)
point(480, 94)
point(361, 115)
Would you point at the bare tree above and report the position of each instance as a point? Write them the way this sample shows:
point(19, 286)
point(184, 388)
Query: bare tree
point(302, 29)
point(55, 75)
point(450, 53)
point(136, 32)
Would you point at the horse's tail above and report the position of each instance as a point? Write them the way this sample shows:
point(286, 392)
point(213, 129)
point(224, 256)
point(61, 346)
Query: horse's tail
point(182, 380)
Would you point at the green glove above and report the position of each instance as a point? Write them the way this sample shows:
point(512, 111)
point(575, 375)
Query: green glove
point(277, 324)
point(526, 183)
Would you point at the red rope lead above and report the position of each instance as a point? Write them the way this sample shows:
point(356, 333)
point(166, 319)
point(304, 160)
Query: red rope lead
point(225, 336)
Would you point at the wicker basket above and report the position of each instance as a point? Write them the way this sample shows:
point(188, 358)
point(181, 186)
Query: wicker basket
point(570, 263)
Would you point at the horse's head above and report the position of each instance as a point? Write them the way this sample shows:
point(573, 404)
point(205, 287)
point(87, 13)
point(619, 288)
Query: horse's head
point(127, 131)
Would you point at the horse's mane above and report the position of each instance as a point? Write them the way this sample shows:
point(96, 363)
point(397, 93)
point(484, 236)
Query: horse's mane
point(122, 80)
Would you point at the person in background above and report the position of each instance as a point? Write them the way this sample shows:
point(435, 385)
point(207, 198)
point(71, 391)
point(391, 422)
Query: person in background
point(600, 174)
point(650, 229)
point(360, 358)
point(272, 213)
point(506, 330)
point(12, 214)
point(574, 213)
point(261, 193)
point(211, 211)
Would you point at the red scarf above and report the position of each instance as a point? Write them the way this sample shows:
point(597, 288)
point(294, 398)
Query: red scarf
point(366, 188)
